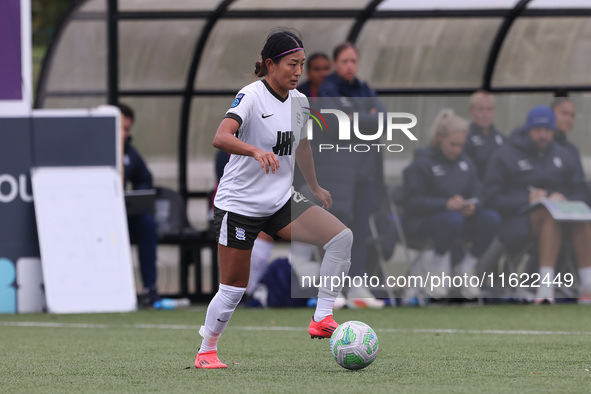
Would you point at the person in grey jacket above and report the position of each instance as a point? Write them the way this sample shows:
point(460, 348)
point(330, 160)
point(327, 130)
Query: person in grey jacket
point(529, 168)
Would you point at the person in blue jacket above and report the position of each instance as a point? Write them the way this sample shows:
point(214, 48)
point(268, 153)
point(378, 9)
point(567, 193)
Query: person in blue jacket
point(531, 166)
point(483, 137)
point(142, 228)
point(354, 178)
point(442, 202)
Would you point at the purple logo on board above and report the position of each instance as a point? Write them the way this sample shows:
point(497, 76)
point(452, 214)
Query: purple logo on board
point(10, 50)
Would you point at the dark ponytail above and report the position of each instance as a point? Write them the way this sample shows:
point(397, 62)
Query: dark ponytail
point(278, 44)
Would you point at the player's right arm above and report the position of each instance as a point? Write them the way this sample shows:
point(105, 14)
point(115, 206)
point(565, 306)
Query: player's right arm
point(226, 140)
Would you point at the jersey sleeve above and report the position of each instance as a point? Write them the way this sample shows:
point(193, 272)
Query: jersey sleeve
point(241, 107)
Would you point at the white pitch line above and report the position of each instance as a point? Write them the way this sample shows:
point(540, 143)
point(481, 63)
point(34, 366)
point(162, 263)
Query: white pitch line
point(52, 325)
point(286, 328)
point(492, 332)
point(164, 326)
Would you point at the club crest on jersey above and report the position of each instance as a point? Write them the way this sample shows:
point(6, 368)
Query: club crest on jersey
point(524, 165)
point(240, 234)
point(477, 140)
point(438, 170)
point(237, 100)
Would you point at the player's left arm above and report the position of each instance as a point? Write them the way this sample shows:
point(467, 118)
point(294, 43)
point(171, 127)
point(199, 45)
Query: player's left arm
point(305, 160)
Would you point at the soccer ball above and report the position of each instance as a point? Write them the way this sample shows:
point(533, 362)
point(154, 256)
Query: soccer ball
point(354, 345)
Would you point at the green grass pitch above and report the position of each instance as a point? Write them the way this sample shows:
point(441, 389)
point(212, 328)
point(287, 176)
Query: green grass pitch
point(504, 349)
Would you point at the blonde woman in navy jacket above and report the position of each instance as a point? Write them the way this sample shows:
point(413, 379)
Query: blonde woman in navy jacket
point(442, 202)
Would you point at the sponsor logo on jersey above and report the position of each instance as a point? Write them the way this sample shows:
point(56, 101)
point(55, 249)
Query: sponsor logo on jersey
point(240, 234)
point(284, 143)
point(266, 116)
point(237, 100)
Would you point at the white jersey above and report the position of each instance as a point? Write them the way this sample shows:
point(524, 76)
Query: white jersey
point(273, 124)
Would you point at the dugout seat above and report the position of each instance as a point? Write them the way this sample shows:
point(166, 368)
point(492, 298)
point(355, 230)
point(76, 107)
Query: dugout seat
point(174, 229)
point(395, 206)
point(396, 198)
point(384, 230)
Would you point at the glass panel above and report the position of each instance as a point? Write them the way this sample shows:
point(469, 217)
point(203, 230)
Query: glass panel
point(80, 59)
point(425, 52)
point(168, 5)
point(558, 4)
point(156, 54)
point(545, 51)
point(155, 135)
point(93, 5)
point(296, 5)
point(74, 102)
point(234, 46)
point(397, 5)
point(206, 115)
point(511, 111)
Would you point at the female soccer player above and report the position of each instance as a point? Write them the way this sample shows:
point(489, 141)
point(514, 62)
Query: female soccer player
point(261, 130)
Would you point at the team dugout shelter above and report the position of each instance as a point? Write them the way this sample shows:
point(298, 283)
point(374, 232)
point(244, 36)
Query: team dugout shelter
point(179, 63)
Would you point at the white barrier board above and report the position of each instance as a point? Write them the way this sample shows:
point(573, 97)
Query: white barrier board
point(83, 238)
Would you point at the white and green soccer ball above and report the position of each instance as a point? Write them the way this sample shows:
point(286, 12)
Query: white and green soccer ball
point(354, 345)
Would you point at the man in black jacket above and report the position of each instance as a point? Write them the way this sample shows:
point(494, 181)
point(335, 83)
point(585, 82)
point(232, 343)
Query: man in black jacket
point(531, 166)
point(142, 228)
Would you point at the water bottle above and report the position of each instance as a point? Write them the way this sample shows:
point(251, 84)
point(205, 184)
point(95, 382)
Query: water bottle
point(162, 215)
point(171, 303)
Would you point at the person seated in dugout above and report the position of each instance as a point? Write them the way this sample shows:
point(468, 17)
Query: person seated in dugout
point(529, 167)
point(317, 68)
point(564, 111)
point(442, 203)
point(483, 137)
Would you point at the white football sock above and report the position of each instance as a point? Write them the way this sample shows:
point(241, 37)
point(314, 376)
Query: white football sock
point(585, 276)
point(259, 260)
point(546, 276)
point(218, 314)
point(467, 265)
point(336, 262)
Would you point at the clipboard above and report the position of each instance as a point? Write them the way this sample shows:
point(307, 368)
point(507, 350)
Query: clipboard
point(564, 211)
